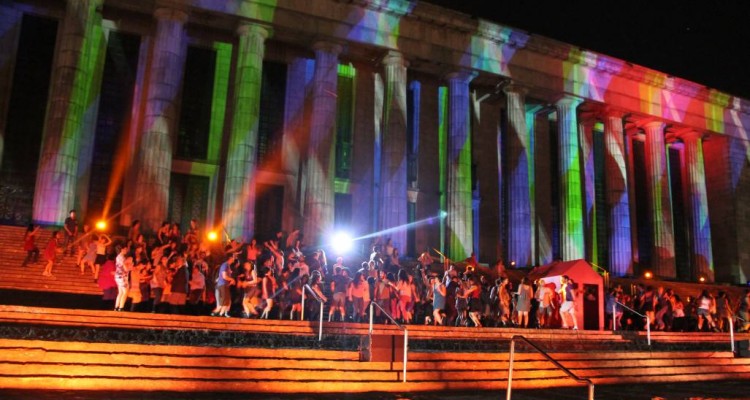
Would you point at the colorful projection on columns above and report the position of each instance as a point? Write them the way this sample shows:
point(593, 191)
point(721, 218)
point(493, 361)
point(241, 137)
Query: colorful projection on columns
point(660, 204)
point(571, 202)
point(518, 150)
point(459, 217)
point(700, 225)
point(586, 135)
point(618, 203)
point(443, 160)
point(155, 156)
point(320, 157)
point(586, 81)
point(493, 49)
point(393, 209)
point(239, 189)
point(72, 95)
point(373, 26)
point(219, 98)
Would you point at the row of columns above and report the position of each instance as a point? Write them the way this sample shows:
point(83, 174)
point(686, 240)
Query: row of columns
point(71, 97)
point(528, 241)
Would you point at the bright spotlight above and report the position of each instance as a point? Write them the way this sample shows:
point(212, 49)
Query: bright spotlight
point(443, 213)
point(212, 236)
point(341, 242)
point(702, 279)
point(101, 225)
point(648, 275)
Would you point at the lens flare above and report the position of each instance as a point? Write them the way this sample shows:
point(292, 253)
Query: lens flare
point(341, 242)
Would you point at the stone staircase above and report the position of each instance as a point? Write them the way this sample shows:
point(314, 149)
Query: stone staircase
point(67, 276)
point(90, 350)
point(59, 349)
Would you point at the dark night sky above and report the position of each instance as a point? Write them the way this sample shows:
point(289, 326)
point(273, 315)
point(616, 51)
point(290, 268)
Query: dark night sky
point(705, 41)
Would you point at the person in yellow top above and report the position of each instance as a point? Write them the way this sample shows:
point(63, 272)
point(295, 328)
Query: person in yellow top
point(568, 307)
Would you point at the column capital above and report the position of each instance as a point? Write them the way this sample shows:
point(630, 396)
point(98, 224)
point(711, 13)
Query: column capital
point(653, 126)
point(248, 28)
point(689, 135)
point(169, 13)
point(465, 76)
point(568, 101)
point(515, 88)
point(328, 47)
point(611, 112)
point(394, 58)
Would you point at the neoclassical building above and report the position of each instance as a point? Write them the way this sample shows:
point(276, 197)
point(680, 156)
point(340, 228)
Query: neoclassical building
point(382, 117)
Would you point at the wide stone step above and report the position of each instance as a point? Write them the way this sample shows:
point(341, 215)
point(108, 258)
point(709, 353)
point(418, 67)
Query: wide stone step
point(98, 366)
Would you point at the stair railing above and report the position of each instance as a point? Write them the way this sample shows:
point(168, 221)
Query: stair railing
point(549, 358)
point(402, 327)
point(604, 272)
point(731, 328)
point(648, 320)
point(315, 296)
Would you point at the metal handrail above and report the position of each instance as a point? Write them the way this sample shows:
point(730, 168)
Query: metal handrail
point(406, 331)
point(648, 320)
point(549, 358)
point(307, 288)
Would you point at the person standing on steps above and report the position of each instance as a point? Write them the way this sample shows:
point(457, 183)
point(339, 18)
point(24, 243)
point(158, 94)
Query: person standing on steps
point(71, 232)
point(223, 281)
point(123, 266)
point(32, 252)
point(568, 307)
point(50, 254)
point(523, 303)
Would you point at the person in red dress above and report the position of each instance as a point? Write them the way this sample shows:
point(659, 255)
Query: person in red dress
point(50, 254)
point(32, 252)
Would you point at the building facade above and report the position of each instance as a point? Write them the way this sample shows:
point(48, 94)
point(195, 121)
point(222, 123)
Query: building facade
point(385, 118)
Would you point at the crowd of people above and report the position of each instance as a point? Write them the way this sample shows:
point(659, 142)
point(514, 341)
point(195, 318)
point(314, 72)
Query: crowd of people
point(180, 272)
point(668, 311)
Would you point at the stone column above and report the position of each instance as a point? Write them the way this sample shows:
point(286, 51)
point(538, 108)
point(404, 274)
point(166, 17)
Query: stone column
point(618, 202)
point(239, 183)
point(571, 190)
point(542, 187)
point(10, 26)
point(296, 123)
point(586, 134)
point(168, 52)
point(660, 204)
point(321, 153)
point(392, 208)
point(459, 224)
point(701, 253)
point(631, 136)
point(72, 80)
point(519, 197)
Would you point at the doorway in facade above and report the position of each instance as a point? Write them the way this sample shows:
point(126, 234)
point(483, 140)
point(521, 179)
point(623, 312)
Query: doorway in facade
point(590, 307)
point(268, 210)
